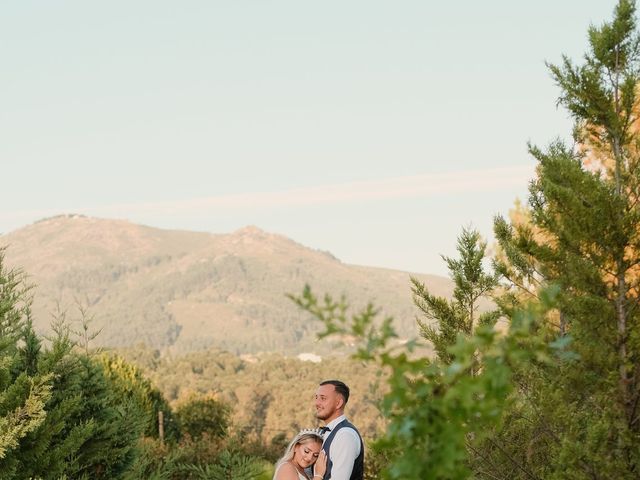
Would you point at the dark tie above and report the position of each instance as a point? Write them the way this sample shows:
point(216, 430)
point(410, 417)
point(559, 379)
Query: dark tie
point(324, 430)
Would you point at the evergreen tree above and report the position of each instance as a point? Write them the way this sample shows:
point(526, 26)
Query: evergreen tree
point(89, 430)
point(578, 417)
point(52, 446)
point(23, 393)
point(59, 415)
point(460, 315)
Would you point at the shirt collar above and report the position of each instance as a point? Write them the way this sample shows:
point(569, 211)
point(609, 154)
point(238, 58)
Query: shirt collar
point(333, 423)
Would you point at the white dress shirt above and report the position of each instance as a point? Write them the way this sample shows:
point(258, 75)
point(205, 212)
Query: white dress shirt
point(344, 449)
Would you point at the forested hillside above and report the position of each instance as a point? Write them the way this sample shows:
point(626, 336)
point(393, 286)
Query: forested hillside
point(184, 291)
point(271, 395)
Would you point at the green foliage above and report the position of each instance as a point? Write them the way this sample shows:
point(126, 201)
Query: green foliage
point(59, 416)
point(16, 424)
point(557, 395)
point(230, 466)
point(200, 415)
point(578, 418)
point(601, 93)
point(157, 461)
point(435, 409)
point(24, 393)
point(460, 315)
point(69, 413)
point(15, 305)
point(377, 458)
point(87, 430)
point(205, 458)
point(262, 389)
point(130, 384)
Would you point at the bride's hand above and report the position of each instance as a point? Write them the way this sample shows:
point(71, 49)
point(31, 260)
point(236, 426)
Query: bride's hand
point(320, 467)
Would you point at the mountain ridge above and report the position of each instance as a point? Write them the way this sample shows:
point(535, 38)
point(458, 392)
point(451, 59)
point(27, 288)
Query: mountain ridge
point(181, 291)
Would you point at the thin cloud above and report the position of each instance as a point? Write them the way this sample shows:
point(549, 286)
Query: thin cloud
point(416, 186)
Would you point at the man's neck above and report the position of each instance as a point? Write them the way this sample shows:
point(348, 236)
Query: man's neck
point(333, 417)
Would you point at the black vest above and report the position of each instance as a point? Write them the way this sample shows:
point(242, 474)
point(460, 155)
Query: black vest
point(358, 466)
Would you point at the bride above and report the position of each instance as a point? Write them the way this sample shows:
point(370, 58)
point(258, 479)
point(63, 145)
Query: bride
point(304, 451)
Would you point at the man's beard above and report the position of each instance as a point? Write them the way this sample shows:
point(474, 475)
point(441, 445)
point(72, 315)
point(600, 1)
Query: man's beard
point(321, 416)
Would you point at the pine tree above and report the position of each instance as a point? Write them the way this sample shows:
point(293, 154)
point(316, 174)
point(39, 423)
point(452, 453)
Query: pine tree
point(460, 315)
point(60, 417)
point(23, 393)
point(50, 450)
point(579, 417)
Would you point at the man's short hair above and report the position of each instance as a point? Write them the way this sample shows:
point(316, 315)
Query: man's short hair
point(340, 387)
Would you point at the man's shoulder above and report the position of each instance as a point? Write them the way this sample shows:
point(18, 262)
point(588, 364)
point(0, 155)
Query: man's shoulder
point(346, 424)
point(348, 430)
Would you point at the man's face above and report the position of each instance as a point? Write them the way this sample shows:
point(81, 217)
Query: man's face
point(328, 402)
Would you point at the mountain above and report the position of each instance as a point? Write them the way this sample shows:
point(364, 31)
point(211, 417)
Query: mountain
point(181, 291)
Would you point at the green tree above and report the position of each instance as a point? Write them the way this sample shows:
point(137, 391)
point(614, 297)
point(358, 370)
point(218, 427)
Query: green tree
point(23, 392)
point(578, 417)
point(89, 431)
point(129, 383)
point(460, 315)
point(203, 415)
point(59, 415)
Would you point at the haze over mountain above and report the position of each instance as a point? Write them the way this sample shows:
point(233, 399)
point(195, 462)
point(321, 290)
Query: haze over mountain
point(182, 291)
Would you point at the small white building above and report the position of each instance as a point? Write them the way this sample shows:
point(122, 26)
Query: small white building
point(310, 357)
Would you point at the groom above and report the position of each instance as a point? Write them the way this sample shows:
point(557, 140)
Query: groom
point(342, 441)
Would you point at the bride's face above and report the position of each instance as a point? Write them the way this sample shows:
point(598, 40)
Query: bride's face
point(306, 454)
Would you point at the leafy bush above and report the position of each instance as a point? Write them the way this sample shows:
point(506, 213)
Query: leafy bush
point(200, 415)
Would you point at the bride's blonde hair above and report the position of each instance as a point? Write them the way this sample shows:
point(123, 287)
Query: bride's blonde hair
point(303, 436)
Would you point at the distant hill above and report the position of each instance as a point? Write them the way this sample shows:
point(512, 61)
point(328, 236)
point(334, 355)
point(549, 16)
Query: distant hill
point(182, 291)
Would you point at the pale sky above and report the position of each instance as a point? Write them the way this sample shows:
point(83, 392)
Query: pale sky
point(372, 129)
